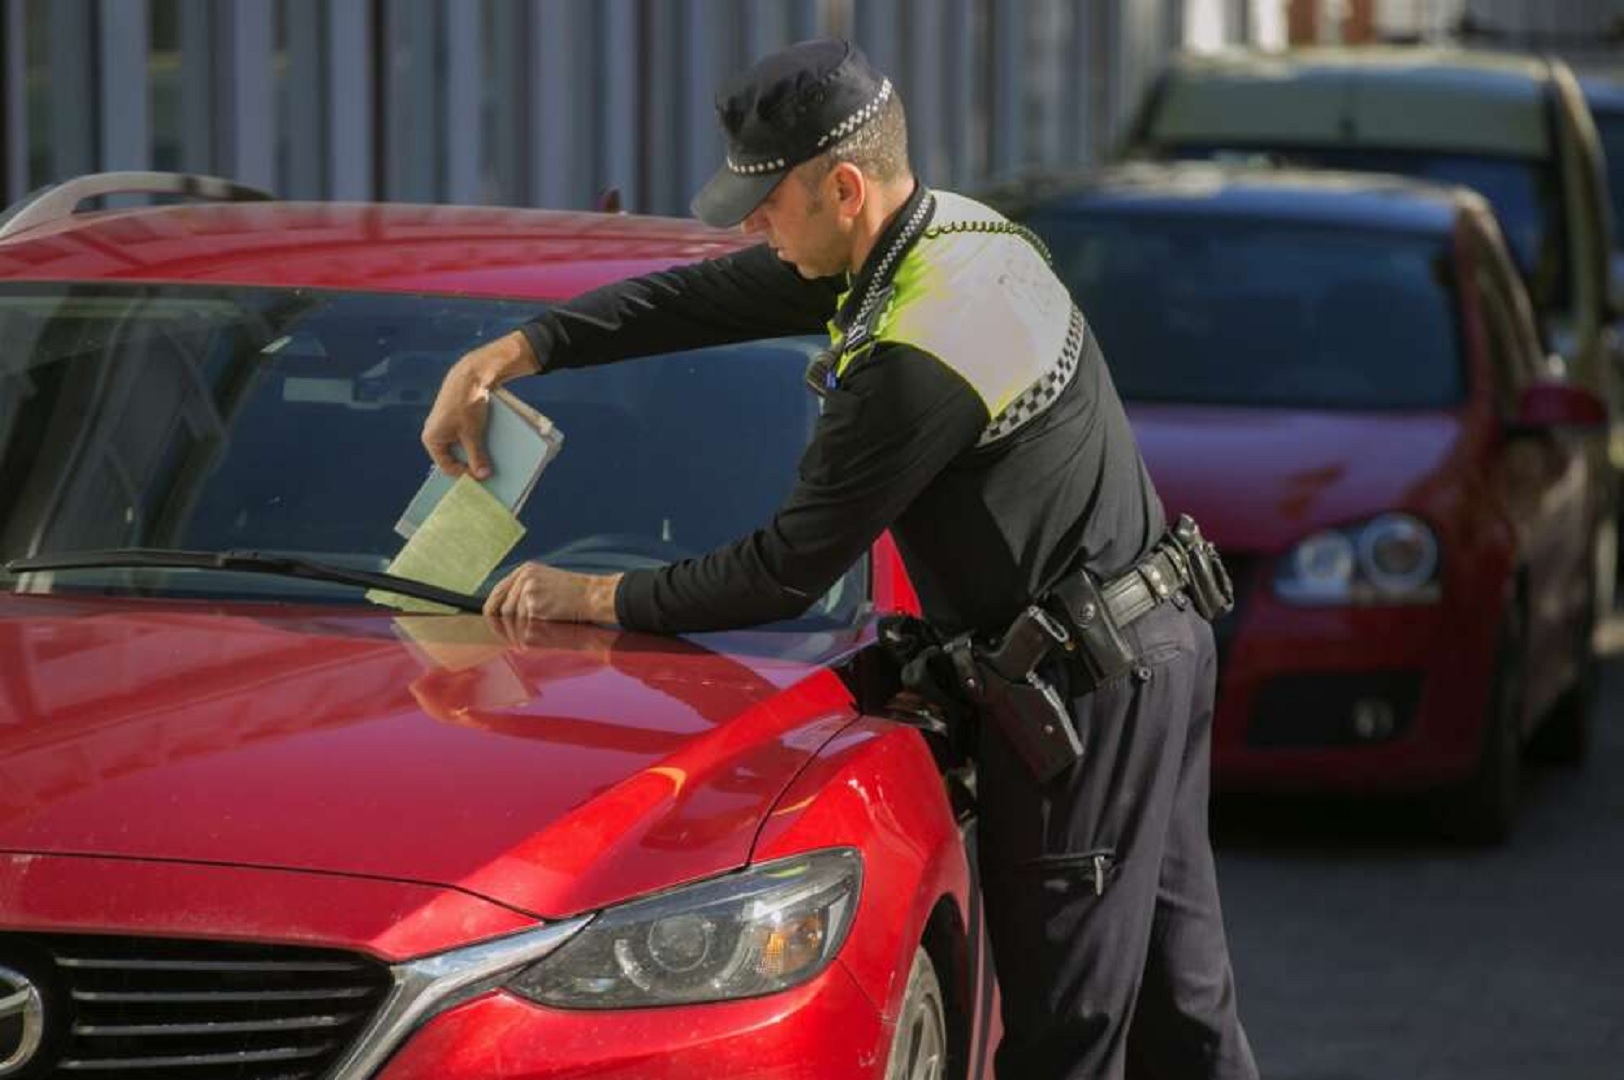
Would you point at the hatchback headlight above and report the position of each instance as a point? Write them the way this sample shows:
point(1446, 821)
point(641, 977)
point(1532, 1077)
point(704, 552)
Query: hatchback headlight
point(764, 930)
point(1387, 560)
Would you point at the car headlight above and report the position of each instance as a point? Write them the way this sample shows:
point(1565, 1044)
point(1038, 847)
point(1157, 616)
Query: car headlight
point(769, 928)
point(1389, 559)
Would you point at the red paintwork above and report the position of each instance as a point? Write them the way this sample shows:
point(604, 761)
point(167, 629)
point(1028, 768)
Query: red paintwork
point(892, 589)
point(606, 766)
point(393, 920)
point(824, 1029)
point(529, 254)
point(1258, 481)
point(335, 776)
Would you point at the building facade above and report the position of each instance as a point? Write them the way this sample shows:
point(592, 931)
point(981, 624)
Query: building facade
point(550, 102)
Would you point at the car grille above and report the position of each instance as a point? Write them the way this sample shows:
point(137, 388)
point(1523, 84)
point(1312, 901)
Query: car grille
point(133, 1007)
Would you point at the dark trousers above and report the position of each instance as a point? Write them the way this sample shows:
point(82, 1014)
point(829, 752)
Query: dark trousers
point(1101, 896)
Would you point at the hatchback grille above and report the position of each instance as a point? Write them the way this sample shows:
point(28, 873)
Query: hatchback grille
point(198, 1010)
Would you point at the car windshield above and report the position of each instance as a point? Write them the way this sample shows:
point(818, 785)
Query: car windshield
point(1199, 310)
point(1526, 196)
point(1610, 125)
point(288, 421)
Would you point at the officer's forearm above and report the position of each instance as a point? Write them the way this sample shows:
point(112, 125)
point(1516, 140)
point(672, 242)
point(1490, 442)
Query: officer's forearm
point(600, 599)
point(508, 357)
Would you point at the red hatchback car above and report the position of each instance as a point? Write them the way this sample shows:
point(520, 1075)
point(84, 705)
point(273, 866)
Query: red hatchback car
point(1340, 377)
point(253, 826)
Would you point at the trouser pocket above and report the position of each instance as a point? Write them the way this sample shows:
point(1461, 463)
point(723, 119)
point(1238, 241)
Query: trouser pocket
point(1092, 871)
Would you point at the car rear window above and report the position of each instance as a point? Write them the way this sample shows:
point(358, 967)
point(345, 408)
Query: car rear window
point(1201, 310)
point(289, 421)
point(1526, 196)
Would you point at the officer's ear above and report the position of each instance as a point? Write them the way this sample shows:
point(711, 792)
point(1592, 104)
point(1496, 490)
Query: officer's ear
point(850, 189)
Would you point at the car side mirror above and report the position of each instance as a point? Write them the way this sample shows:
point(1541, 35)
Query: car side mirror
point(1549, 406)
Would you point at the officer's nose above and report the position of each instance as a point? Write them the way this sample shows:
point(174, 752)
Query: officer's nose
point(754, 222)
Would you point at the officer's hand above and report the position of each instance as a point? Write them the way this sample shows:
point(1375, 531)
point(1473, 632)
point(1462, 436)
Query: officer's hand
point(462, 407)
point(538, 591)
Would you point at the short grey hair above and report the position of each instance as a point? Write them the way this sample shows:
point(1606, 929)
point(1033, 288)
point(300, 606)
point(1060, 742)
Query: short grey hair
point(879, 147)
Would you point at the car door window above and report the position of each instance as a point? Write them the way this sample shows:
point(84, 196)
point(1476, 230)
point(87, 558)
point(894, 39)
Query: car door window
point(1513, 344)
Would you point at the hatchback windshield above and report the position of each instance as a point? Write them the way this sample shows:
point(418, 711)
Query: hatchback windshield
point(1526, 197)
point(1610, 125)
point(1261, 313)
point(288, 421)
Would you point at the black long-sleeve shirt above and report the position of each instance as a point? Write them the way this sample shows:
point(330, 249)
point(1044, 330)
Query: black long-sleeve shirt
point(982, 530)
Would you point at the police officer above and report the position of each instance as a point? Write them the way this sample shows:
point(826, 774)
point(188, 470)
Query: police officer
point(968, 409)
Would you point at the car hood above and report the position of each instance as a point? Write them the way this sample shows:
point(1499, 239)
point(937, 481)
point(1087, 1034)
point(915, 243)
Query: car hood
point(554, 776)
point(1260, 479)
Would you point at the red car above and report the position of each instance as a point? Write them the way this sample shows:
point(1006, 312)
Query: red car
point(1340, 377)
point(253, 825)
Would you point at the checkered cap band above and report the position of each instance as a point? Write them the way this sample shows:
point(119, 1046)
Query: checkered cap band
point(857, 119)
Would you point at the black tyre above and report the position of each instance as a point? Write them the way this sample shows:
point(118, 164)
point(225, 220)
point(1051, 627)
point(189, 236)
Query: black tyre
point(1483, 810)
point(1564, 737)
point(919, 1050)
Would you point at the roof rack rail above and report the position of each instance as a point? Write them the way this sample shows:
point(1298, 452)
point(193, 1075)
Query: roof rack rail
point(56, 201)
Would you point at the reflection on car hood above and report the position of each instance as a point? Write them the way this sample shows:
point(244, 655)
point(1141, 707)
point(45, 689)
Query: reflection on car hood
point(1261, 479)
point(556, 776)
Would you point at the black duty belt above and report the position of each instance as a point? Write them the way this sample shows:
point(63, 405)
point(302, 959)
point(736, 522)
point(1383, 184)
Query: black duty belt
point(1082, 619)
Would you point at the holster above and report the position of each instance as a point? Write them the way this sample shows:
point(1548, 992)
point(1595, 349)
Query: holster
point(1079, 620)
point(1211, 590)
point(1028, 710)
point(1100, 648)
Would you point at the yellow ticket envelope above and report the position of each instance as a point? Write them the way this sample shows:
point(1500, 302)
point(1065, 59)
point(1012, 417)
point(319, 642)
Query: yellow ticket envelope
point(466, 536)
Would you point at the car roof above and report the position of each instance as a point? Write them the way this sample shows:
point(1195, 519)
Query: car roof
point(1312, 196)
point(1441, 99)
point(476, 251)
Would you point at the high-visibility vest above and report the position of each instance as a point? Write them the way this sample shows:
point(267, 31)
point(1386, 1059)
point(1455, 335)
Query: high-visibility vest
point(976, 292)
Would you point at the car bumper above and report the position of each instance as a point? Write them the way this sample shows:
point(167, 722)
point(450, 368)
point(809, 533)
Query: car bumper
point(825, 1028)
point(1350, 699)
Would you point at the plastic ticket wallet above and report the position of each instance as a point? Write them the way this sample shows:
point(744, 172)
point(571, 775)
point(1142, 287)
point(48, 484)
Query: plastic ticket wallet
point(459, 530)
point(521, 443)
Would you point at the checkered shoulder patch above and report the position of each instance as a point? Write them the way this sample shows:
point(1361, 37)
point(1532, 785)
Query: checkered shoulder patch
point(1036, 399)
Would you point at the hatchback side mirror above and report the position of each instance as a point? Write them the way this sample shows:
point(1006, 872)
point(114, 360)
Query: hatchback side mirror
point(1546, 406)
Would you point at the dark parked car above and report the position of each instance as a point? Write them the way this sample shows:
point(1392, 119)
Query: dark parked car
point(1339, 376)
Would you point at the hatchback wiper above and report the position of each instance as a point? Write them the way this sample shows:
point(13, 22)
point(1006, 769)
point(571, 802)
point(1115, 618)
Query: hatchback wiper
point(247, 562)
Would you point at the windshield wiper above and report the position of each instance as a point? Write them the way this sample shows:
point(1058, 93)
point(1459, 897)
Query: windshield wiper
point(247, 562)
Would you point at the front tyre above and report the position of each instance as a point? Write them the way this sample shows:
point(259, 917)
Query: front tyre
point(919, 1049)
point(1483, 810)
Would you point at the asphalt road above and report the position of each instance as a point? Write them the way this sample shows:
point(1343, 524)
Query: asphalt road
point(1366, 951)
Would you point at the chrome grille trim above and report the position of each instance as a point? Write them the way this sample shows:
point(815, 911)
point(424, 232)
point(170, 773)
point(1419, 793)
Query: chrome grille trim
point(430, 986)
point(239, 1057)
point(210, 1010)
point(102, 964)
point(155, 997)
point(224, 1027)
point(185, 1009)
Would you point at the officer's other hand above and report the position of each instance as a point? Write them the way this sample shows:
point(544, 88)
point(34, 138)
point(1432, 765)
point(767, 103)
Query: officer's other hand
point(462, 407)
point(537, 591)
